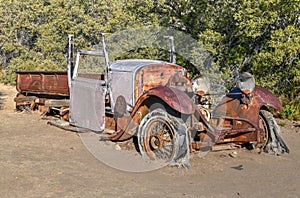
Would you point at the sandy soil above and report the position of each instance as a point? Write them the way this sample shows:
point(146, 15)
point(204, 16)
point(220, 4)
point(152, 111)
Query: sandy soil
point(39, 160)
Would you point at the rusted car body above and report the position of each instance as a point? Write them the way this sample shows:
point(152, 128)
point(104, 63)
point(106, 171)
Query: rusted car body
point(155, 103)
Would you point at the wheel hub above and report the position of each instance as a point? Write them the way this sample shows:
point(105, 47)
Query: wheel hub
point(155, 142)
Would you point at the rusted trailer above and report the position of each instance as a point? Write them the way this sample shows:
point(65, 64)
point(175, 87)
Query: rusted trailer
point(43, 90)
point(43, 82)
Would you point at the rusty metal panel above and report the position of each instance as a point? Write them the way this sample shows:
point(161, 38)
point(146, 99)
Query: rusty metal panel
point(43, 82)
point(156, 75)
point(87, 108)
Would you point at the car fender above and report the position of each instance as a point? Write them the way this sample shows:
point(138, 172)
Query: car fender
point(176, 99)
point(266, 98)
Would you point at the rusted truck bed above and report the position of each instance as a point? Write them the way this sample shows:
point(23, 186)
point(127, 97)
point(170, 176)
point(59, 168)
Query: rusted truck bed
point(43, 90)
point(53, 83)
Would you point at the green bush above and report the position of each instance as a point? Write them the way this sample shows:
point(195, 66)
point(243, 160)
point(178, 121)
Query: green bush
point(8, 76)
point(291, 110)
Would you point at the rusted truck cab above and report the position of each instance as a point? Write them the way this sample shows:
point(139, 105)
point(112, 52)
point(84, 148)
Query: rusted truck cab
point(99, 94)
point(99, 90)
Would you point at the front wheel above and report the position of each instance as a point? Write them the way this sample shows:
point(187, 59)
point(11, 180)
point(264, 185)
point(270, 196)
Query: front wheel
point(163, 137)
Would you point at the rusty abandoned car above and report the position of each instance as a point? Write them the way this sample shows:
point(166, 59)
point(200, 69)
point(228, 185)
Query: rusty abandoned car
point(154, 102)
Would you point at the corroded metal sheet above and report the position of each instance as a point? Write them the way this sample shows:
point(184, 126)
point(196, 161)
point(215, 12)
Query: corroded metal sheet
point(163, 74)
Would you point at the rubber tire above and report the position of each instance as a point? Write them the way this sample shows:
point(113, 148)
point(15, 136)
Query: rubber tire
point(180, 148)
point(275, 144)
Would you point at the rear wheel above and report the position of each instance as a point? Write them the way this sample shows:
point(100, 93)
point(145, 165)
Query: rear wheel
point(271, 140)
point(263, 125)
point(163, 137)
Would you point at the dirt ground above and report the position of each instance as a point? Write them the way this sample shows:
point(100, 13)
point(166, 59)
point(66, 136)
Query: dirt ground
point(40, 160)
